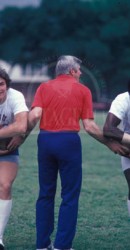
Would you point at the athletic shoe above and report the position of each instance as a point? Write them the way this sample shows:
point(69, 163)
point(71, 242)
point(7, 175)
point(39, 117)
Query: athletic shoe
point(64, 249)
point(50, 247)
point(2, 247)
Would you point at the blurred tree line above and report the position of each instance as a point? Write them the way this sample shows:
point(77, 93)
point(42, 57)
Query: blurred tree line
point(97, 31)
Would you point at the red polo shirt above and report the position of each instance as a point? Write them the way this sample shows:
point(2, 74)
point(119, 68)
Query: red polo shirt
point(64, 102)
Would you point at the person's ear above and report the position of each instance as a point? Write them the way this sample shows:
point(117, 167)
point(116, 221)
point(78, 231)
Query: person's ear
point(72, 72)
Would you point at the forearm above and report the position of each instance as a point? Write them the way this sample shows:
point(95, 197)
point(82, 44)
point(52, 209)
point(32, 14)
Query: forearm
point(95, 131)
point(12, 130)
point(30, 127)
point(98, 135)
point(18, 127)
point(33, 118)
point(113, 133)
point(110, 129)
point(112, 144)
point(117, 134)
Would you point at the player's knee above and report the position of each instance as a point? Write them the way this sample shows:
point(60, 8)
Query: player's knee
point(5, 190)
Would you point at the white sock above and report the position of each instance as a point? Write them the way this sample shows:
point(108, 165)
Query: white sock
point(42, 249)
point(5, 210)
point(45, 248)
point(128, 205)
point(59, 249)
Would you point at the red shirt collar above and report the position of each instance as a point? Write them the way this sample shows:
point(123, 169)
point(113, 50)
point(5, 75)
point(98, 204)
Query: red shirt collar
point(64, 76)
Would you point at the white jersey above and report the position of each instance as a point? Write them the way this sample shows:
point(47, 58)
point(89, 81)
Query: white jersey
point(120, 107)
point(14, 104)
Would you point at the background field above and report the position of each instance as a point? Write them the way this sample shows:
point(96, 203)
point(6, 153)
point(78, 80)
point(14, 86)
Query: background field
point(103, 220)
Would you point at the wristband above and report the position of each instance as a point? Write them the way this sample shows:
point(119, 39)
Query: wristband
point(126, 138)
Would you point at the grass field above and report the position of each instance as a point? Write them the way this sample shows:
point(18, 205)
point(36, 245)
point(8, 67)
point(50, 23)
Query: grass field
point(103, 222)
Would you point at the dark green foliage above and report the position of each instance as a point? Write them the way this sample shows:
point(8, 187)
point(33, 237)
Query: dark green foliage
point(97, 31)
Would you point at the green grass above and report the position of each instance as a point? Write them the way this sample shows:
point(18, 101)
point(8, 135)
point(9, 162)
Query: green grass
point(103, 220)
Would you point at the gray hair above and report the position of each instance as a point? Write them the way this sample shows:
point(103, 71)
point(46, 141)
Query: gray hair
point(66, 63)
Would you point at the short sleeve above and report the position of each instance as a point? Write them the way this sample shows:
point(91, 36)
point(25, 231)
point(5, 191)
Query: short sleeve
point(38, 100)
point(18, 103)
point(120, 105)
point(87, 111)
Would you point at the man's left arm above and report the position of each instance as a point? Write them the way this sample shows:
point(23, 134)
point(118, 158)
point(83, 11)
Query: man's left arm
point(110, 129)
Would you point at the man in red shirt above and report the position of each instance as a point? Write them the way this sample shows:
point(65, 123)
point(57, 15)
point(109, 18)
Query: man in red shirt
point(60, 104)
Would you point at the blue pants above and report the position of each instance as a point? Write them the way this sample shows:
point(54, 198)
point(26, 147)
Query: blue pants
point(58, 152)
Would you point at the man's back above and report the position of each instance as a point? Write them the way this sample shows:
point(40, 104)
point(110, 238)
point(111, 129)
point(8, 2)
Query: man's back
point(64, 102)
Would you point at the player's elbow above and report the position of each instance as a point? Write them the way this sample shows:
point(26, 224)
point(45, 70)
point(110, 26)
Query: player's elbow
point(88, 129)
point(89, 125)
point(107, 130)
point(22, 128)
point(34, 115)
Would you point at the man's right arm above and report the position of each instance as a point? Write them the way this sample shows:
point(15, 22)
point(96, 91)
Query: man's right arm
point(33, 117)
point(94, 130)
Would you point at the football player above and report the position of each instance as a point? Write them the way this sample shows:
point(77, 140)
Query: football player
point(13, 122)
